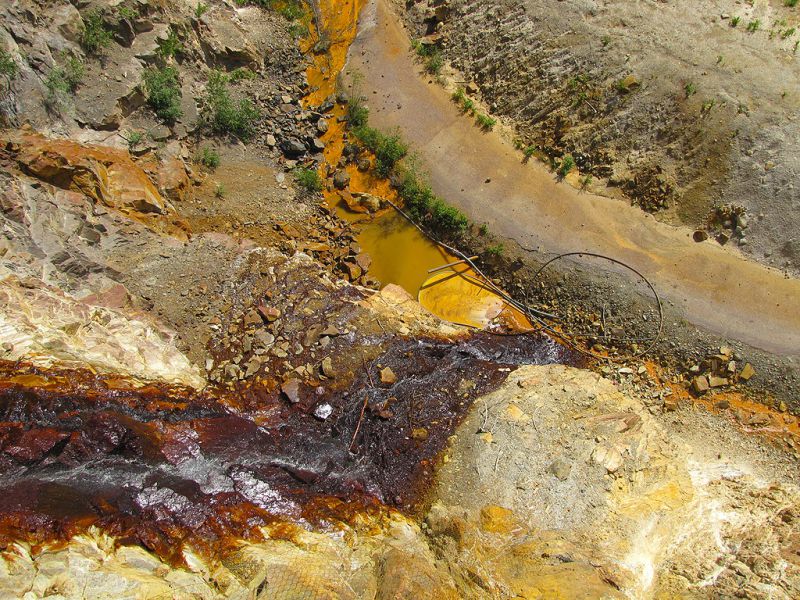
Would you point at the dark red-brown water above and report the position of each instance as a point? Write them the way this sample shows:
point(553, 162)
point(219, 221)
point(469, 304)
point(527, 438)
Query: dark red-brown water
point(160, 465)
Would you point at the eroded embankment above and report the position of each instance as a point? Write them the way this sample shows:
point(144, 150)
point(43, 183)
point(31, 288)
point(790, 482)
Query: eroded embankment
point(710, 286)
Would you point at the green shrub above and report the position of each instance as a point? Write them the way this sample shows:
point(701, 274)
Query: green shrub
point(163, 92)
point(8, 68)
point(241, 73)
point(690, 89)
point(485, 122)
point(528, 152)
point(791, 3)
point(226, 115)
point(431, 56)
point(126, 12)
point(484, 229)
point(291, 10)
point(735, 21)
point(171, 46)
point(422, 204)
point(468, 107)
point(308, 179)
point(62, 81)
point(567, 164)
point(208, 157)
point(200, 10)
point(94, 37)
point(586, 181)
point(753, 25)
point(220, 191)
point(788, 33)
point(357, 113)
point(134, 138)
point(496, 250)
point(388, 149)
point(458, 96)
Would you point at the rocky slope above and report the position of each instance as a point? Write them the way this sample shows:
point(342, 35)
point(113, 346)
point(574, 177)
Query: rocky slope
point(202, 397)
point(686, 108)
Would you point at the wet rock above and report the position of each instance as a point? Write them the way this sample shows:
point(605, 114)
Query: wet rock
point(419, 433)
point(341, 179)
point(323, 411)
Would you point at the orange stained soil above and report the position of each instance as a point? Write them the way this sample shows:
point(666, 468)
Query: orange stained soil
point(401, 254)
point(751, 416)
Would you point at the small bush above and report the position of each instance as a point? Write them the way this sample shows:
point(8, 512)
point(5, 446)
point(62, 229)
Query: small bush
point(735, 21)
point(422, 204)
point(200, 10)
point(94, 37)
point(483, 229)
point(753, 25)
point(791, 3)
point(220, 191)
point(357, 113)
point(458, 96)
point(126, 12)
point(134, 139)
point(468, 107)
point(226, 115)
point(208, 157)
point(567, 164)
point(308, 179)
point(496, 250)
point(528, 152)
point(788, 33)
point(605, 40)
point(485, 122)
point(388, 149)
point(586, 181)
point(241, 73)
point(63, 81)
point(8, 68)
point(163, 92)
point(690, 89)
point(431, 56)
point(171, 46)
point(291, 10)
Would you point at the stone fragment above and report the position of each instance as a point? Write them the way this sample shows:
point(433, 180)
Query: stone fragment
point(560, 468)
point(497, 519)
point(715, 381)
point(387, 376)
point(700, 384)
point(327, 368)
point(323, 411)
point(747, 372)
point(291, 389)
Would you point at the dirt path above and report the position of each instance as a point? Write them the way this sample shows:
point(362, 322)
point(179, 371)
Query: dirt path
point(478, 172)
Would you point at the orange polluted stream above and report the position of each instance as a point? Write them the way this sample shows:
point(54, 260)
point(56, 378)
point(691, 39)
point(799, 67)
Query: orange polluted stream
point(400, 253)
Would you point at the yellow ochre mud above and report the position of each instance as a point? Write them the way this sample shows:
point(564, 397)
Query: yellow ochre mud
point(400, 253)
